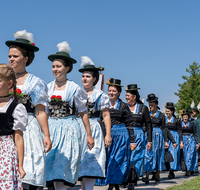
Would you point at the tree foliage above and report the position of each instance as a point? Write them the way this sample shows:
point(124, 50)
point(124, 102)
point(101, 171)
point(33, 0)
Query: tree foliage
point(190, 89)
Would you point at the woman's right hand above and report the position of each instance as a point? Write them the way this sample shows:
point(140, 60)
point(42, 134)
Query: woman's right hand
point(166, 145)
point(181, 145)
point(133, 146)
point(90, 142)
point(22, 172)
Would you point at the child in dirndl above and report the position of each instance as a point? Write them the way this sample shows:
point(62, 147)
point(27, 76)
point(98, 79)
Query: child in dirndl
point(13, 119)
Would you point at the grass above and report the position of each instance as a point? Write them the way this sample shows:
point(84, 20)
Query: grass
point(193, 184)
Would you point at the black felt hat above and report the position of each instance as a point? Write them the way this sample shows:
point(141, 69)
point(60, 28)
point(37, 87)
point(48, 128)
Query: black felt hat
point(169, 105)
point(114, 82)
point(185, 112)
point(23, 39)
point(63, 53)
point(151, 98)
point(132, 87)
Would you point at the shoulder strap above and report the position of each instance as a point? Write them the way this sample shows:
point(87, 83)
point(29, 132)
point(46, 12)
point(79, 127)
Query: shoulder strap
point(11, 107)
point(141, 108)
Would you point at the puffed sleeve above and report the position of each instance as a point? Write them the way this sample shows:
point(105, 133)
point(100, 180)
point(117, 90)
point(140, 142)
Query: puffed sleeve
point(148, 125)
point(20, 118)
point(39, 94)
point(80, 99)
point(104, 101)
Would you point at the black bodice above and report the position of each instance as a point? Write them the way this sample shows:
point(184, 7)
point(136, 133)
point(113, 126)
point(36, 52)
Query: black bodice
point(61, 109)
point(143, 118)
point(123, 116)
point(7, 120)
point(175, 126)
point(190, 130)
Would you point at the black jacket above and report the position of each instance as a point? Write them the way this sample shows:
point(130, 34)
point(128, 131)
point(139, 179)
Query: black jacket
point(143, 118)
point(123, 116)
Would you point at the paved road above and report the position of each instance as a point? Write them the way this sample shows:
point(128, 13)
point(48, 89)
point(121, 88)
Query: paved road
point(165, 182)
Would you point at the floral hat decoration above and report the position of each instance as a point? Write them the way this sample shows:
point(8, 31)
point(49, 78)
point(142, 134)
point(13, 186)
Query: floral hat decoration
point(114, 82)
point(63, 53)
point(87, 65)
point(23, 39)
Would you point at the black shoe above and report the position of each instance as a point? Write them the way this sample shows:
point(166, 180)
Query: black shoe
point(187, 173)
point(130, 187)
point(153, 176)
point(145, 180)
point(171, 174)
point(157, 181)
point(192, 172)
point(196, 171)
point(116, 186)
point(111, 186)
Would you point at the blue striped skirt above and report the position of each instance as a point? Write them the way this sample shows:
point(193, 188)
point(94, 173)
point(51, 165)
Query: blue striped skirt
point(118, 156)
point(137, 156)
point(190, 152)
point(175, 165)
point(154, 159)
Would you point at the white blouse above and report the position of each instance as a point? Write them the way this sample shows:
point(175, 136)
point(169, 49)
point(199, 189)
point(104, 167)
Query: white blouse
point(19, 114)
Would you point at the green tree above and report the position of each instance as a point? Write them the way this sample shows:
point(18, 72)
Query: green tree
point(190, 89)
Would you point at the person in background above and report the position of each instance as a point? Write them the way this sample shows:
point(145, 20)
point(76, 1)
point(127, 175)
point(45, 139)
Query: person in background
point(93, 163)
point(190, 142)
point(122, 138)
point(174, 125)
point(140, 115)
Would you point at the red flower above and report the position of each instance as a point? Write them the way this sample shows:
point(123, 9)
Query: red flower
point(33, 44)
point(168, 122)
point(52, 97)
point(59, 97)
point(12, 90)
point(19, 91)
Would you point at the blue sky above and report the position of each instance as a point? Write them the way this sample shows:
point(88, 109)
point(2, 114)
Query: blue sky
point(149, 43)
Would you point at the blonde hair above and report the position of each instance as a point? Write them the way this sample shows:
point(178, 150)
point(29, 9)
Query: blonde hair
point(8, 73)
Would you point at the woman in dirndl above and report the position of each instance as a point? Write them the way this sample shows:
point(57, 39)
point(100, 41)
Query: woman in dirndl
point(122, 138)
point(154, 159)
point(93, 162)
point(190, 142)
point(174, 125)
point(65, 97)
point(140, 115)
point(32, 92)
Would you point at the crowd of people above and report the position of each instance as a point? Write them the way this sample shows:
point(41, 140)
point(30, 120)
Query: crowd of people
point(57, 134)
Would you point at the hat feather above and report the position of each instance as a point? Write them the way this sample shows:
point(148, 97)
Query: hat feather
point(192, 104)
point(198, 107)
point(24, 35)
point(64, 46)
point(85, 60)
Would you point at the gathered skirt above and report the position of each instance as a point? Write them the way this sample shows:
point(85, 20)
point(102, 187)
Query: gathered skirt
point(9, 171)
point(93, 162)
point(137, 156)
point(64, 158)
point(118, 162)
point(34, 154)
point(190, 152)
point(175, 165)
point(154, 159)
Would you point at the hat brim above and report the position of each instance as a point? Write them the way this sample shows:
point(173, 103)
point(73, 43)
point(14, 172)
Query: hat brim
point(132, 89)
point(29, 46)
point(113, 84)
point(88, 69)
point(152, 100)
point(55, 56)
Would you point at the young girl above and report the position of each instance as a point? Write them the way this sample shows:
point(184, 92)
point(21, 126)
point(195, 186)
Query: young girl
point(13, 118)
